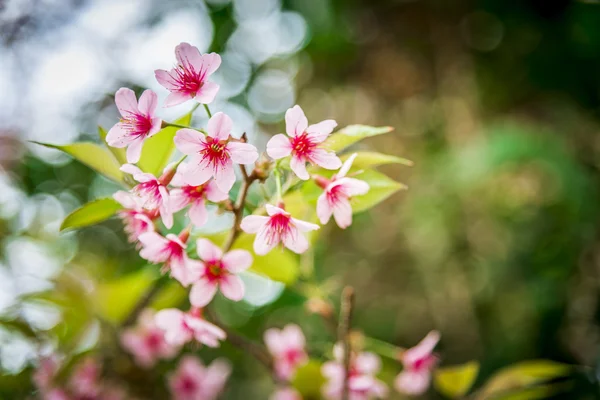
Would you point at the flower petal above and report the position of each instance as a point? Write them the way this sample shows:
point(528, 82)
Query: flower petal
point(197, 213)
point(346, 166)
point(214, 194)
point(298, 165)
point(236, 261)
point(304, 226)
point(176, 98)
point(261, 243)
point(208, 251)
point(225, 176)
point(119, 136)
point(253, 223)
point(202, 292)
point(232, 287)
point(421, 350)
point(325, 159)
point(342, 213)
point(295, 121)
point(178, 199)
point(295, 241)
point(126, 102)
point(189, 141)
point(198, 172)
point(324, 209)
point(219, 126)
point(368, 363)
point(353, 187)
point(319, 132)
point(242, 153)
point(412, 383)
point(148, 103)
point(166, 79)
point(210, 63)
point(134, 150)
point(279, 146)
point(188, 56)
point(273, 210)
point(293, 336)
point(207, 93)
point(273, 340)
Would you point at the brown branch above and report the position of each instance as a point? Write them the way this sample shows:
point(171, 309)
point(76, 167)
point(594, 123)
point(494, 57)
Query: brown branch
point(144, 301)
point(347, 305)
point(238, 207)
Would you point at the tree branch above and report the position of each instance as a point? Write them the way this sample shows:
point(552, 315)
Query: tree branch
point(238, 208)
point(346, 309)
point(145, 300)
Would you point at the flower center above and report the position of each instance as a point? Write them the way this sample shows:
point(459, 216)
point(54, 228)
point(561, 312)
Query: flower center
point(215, 151)
point(335, 194)
point(423, 363)
point(194, 192)
point(153, 340)
point(279, 225)
point(302, 145)
point(188, 385)
point(293, 356)
point(149, 193)
point(214, 270)
point(136, 124)
point(188, 80)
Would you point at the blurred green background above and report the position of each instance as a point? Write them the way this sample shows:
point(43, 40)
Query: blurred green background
point(495, 243)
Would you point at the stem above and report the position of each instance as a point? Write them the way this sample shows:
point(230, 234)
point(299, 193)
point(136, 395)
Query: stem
point(145, 300)
point(166, 124)
point(278, 183)
point(207, 110)
point(382, 348)
point(238, 208)
point(346, 309)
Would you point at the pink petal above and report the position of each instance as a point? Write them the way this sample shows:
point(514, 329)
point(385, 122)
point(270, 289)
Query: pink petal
point(333, 370)
point(232, 287)
point(207, 93)
point(368, 363)
point(272, 210)
point(134, 151)
point(295, 241)
point(126, 102)
point(353, 187)
point(225, 176)
point(325, 159)
point(188, 56)
point(295, 121)
point(166, 79)
point(293, 337)
point(304, 226)
point(324, 209)
point(342, 213)
point(319, 132)
point(242, 153)
point(346, 166)
point(148, 103)
point(171, 320)
point(178, 199)
point(208, 251)
point(197, 213)
point(412, 383)
point(215, 376)
point(156, 127)
point(298, 165)
point(219, 126)
point(126, 199)
point(210, 63)
point(176, 98)
point(189, 141)
point(273, 340)
point(198, 172)
point(279, 146)
point(214, 194)
point(236, 261)
point(253, 223)
point(261, 243)
point(118, 136)
point(132, 170)
point(202, 292)
point(421, 350)
point(165, 207)
point(153, 247)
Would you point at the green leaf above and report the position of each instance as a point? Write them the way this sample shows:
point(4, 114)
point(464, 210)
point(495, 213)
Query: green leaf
point(455, 381)
point(91, 213)
point(92, 155)
point(380, 188)
point(308, 380)
point(119, 154)
point(158, 149)
point(366, 159)
point(351, 134)
point(522, 375)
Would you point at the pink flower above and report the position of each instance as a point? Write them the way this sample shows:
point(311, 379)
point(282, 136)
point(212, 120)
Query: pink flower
point(151, 193)
point(44, 374)
point(85, 380)
point(213, 155)
point(195, 196)
point(135, 219)
point(181, 327)
point(189, 79)
point(419, 362)
point(169, 250)
point(362, 383)
point(137, 123)
point(146, 341)
point(193, 381)
point(336, 196)
point(218, 270)
point(278, 227)
point(56, 394)
point(287, 393)
point(287, 348)
point(303, 143)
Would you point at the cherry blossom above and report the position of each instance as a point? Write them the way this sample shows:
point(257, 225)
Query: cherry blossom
point(213, 155)
point(146, 341)
point(362, 383)
point(44, 374)
point(286, 393)
point(136, 220)
point(169, 250)
point(287, 348)
point(181, 327)
point(194, 196)
point(418, 362)
point(189, 78)
point(217, 270)
point(194, 381)
point(278, 227)
point(137, 123)
point(85, 379)
point(151, 193)
point(303, 143)
point(337, 193)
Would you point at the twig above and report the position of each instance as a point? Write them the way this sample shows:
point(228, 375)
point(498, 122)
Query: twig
point(238, 208)
point(145, 300)
point(346, 309)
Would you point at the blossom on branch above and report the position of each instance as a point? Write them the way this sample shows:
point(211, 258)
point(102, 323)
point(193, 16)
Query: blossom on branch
point(277, 227)
point(181, 327)
point(194, 381)
point(287, 348)
point(213, 155)
point(337, 193)
point(136, 220)
point(137, 124)
point(169, 250)
point(286, 393)
point(418, 362)
point(303, 143)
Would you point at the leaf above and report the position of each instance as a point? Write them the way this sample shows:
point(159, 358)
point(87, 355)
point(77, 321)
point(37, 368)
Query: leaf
point(94, 156)
point(380, 188)
point(351, 134)
point(522, 375)
point(158, 149)
point(365, 159)
point(91, 213)
point(455, 381)
point(120, 154)
point(308, 380)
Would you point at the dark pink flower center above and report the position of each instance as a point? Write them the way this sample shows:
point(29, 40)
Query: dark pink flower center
point(278, 226)
point(215, 152)
point(335, 194)
point(194, 192)
point(136, 124)
point(188, 79)
point(188, 385)
point(153, 340)
point(174, 250)
point(303, 145)
point(149, 193)
point(293, 356)
point(424, 363)
point(214, 270)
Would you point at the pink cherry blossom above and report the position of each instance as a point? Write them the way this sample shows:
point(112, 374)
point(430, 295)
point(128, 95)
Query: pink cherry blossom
point(44, 374)
point(136, 220)
point(194, 196)
point(287, 348)
point(189, 79)
point(278, 227)
point(217, 270)
point(181, 327)
point(419, 362)
point(337, 193)
point(362, 383)
point(213, 155)
point(303, 143)
point(56, 394)
point(151, 193)
point(193, 381)
point(137, 123)
point(169, 250)
point(146, 341)
point(287, 393)
point(85, 379)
